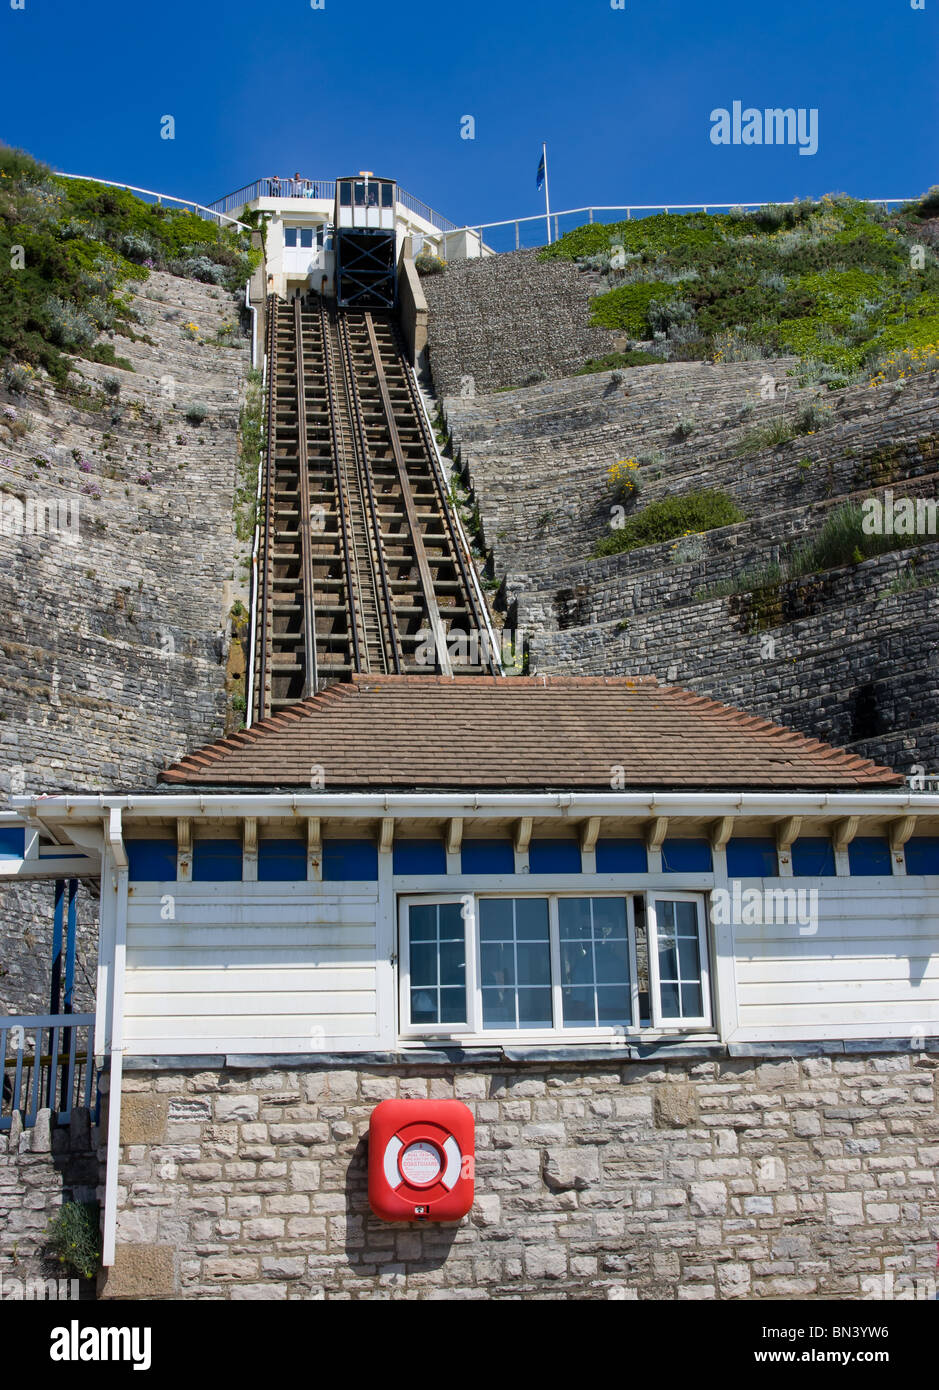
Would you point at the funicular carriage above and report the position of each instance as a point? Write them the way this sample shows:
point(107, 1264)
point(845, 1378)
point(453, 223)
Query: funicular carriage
point(365, 242)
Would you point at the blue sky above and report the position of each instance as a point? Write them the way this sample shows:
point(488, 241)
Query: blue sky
point(622, 97)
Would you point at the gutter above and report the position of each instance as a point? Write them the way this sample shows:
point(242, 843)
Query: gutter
point(569, 805)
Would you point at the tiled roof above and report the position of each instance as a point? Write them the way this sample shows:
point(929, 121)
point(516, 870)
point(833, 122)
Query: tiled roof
point(527, 733)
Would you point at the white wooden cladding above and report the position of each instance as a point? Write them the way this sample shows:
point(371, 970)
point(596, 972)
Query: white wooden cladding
point(871, 969)
point(251, 968)
point(304, 967)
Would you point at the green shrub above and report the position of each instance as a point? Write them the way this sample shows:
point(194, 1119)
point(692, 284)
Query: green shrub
point(197, 412)
point(425, 263)
point(671, 518)
point(74, 1239)
point(628, 306)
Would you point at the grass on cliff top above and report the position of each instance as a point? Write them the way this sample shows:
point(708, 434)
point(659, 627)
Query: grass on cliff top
point(672, 517)
point(70, 247)
point(836, 281)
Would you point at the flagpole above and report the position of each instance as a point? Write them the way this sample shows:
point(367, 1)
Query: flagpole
point(547, 205)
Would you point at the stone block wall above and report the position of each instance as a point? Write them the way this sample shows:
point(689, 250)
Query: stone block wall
point(710, 1177)
point(113, 643)
point(41, 1168)
point(507, 319)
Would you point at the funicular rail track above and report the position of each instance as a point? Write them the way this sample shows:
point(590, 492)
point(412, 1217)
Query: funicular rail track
point(362, 569)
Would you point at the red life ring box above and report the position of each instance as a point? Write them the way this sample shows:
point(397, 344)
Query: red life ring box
point(421, 1160)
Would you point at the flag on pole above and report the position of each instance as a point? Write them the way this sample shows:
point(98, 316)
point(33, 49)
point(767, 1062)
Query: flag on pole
point(539, 179)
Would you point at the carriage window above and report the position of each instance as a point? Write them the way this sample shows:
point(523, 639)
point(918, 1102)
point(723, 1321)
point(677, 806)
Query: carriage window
point(290, 236)
point(373, 195)
point(345, 195)
point(387, 195)
point(306, 238)
point(360, 195)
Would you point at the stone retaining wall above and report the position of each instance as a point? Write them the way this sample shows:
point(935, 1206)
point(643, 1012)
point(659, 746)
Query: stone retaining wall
point(713, 1178)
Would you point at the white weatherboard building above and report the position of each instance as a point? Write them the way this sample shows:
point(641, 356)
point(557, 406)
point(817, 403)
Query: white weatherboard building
point(565, 867)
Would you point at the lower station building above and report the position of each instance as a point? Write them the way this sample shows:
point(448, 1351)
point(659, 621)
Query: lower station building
point(679, 962)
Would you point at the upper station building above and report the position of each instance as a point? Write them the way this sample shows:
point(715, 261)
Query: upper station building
point(302, 216)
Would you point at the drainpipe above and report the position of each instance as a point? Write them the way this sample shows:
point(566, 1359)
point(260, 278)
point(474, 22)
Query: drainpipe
point(118, 886)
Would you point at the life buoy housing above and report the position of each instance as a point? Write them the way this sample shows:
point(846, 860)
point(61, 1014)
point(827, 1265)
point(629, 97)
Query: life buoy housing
point(421, 1160)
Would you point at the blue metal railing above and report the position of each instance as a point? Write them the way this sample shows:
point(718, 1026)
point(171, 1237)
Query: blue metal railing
point(46, 1062)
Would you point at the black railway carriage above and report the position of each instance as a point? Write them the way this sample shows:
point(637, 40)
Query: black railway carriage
point(365, 242)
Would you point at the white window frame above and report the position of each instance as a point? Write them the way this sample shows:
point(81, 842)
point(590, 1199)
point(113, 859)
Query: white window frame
point(652, 933)
point(473, 1005)
point(579, 1033)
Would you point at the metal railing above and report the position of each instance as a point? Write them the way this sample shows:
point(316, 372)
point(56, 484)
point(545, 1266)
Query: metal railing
point(277, 187)
point(537, 223)
point(208, 213)
point(46, 1062)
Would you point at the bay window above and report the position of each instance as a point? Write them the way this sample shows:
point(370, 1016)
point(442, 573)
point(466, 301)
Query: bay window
point(562, 964)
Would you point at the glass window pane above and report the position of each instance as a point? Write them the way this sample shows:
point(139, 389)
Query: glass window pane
point(668, 958)
point(531, 918)
point(387, 190)
point(423, 964)
point(612, 962)
point(345, 195)
point(359, 194)
point(576, 963)
point(574, 917)
point(613, 1004)
point(688, 957)
point(534, 1008)
point(290, 236)
point(495, 919)
point(686, 919)
point(578, 1006)
point(452, 963)
point(423, 1006)
point(609, 917)
point(498, 1008)
point(534, 963)
point(306, 237)
point(498, 964)
point(691, 1000)
point(422, 922)
point(670, 1003)
point(452, 922)
point(453, 1006)
point(665, 914)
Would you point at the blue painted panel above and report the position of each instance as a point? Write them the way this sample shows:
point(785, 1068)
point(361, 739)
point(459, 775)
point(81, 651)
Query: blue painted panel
point(281, 861)
point(813, 856)
point(621, 857)
point(686, 857)
point(922, 854)
point(12, 842)
point(419, 857)
point(216, 861)
point(554, 857)
point(751, 857)
point(151, 861)
point(349, 859)
point(488, 857)
point(869, 855)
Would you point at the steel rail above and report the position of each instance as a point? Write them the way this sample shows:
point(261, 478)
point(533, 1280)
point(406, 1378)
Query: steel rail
point(481, 620)
point(310, 679)
point(407, 497)
point(263, 694)
point(345, 531)
point(390, 639)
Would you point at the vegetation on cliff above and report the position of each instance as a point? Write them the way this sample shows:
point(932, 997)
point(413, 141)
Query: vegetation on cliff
point(839, 283)
point(71, 247)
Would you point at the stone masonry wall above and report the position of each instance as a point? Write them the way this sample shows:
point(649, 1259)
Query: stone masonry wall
point(40, 1168)
point(112, 648)
point(508, 319)
point(707, 1178)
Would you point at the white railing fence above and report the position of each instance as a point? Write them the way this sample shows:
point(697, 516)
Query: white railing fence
point(524, 233)
point(208, 213)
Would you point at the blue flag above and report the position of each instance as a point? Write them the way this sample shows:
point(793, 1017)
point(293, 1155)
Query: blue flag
point(539, 178)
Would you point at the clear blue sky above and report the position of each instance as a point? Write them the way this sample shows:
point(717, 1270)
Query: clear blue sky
point(622, 97)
